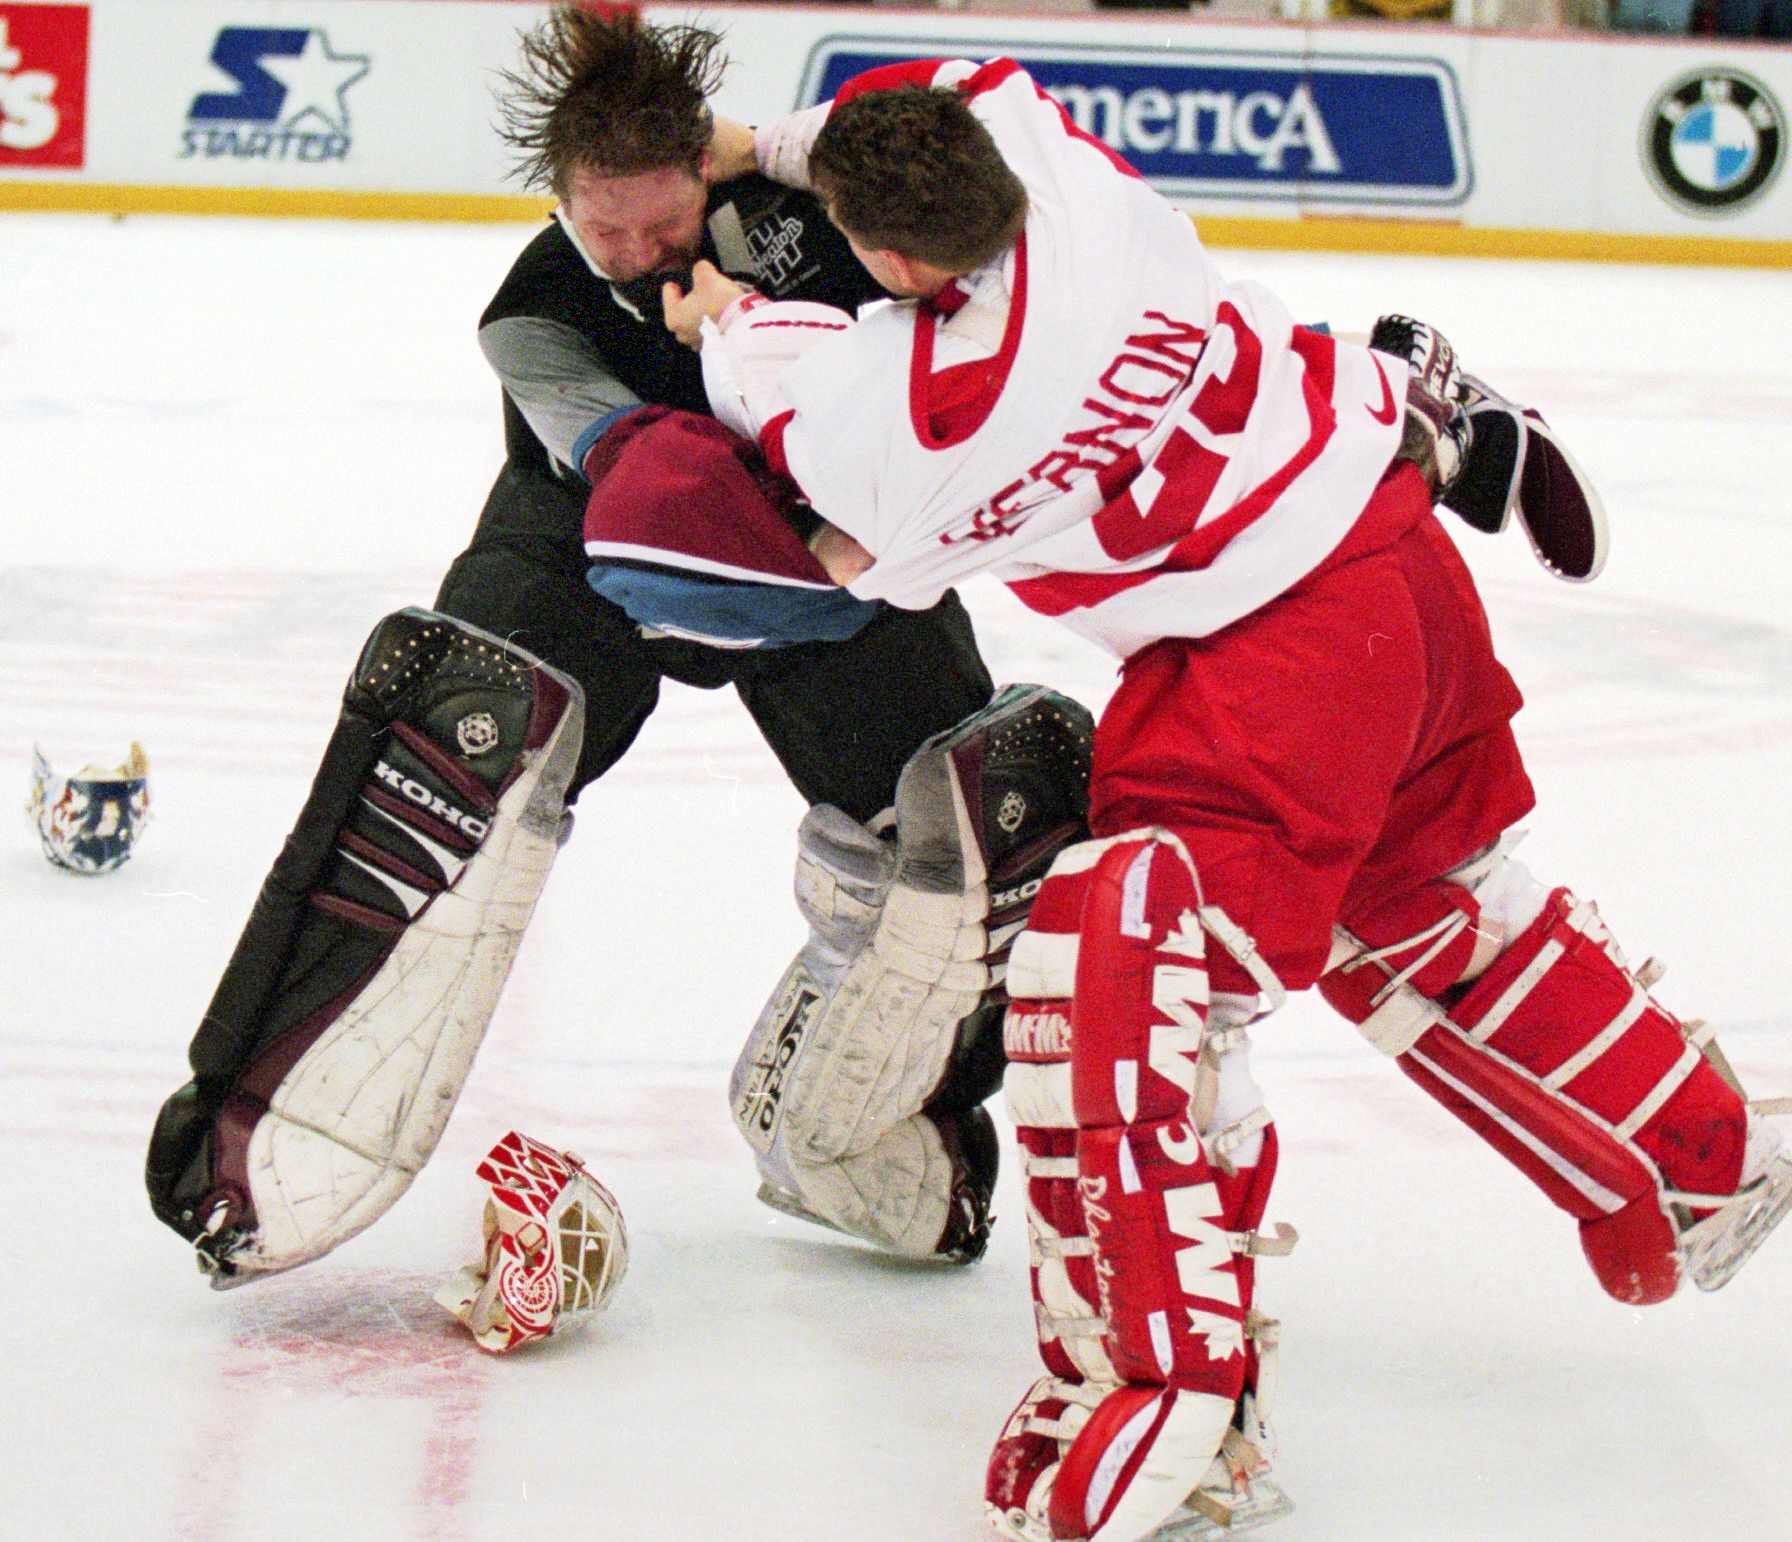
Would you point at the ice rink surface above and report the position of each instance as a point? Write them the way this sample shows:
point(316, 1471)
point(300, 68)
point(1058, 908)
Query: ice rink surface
point(226, 448)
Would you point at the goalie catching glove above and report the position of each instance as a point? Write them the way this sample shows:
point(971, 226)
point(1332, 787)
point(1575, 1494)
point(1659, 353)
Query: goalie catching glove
point(347, 1019)
point(555, 1248)
point(858, 1088)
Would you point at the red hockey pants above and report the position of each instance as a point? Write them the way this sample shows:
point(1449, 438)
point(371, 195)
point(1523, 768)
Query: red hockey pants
point(1343, 744)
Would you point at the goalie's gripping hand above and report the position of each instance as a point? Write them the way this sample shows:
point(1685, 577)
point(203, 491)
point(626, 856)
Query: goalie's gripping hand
point(710, 294)
point(1437, 428)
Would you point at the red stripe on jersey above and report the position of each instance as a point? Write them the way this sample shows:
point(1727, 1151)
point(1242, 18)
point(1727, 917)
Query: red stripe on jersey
point(939, 408)
point(771, 442)
point(988, 76)
point(1054, 594)
point(890, 77)
point(1115, 158)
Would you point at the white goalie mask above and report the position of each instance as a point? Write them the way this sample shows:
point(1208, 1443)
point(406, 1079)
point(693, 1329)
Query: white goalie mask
point(89, 822)
point(555, 1244)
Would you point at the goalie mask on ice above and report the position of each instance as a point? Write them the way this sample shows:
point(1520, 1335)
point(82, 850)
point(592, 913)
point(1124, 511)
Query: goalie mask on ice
point(89, 822)
point(555, 1247)
point(347, 1019)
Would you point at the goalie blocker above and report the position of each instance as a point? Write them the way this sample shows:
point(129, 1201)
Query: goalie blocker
point(347, 1019)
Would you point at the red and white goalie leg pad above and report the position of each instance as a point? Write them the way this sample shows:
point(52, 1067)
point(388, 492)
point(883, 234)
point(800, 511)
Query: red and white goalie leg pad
point(555, 1248)
point(1513, 1006)
point(1142, 1234)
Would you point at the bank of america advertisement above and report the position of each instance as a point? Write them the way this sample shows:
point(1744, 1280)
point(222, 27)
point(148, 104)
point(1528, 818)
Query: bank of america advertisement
point(1467, 140)
point(1271, 125)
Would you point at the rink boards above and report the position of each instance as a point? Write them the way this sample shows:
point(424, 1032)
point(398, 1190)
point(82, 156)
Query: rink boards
point(1432, 139)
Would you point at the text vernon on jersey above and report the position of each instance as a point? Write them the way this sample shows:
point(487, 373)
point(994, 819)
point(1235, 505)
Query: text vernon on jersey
point(1154, 363)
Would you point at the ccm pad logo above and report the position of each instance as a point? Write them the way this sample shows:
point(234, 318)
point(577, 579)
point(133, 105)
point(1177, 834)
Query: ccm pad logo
point(43, 85)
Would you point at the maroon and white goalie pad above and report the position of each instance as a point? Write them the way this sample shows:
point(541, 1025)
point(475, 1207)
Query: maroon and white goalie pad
point(555, 1247)
point(347, 1020)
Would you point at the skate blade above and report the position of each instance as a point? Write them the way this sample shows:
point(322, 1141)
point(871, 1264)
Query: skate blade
point(1263, 1503)
point(786, 1203)
point(1714, 1264)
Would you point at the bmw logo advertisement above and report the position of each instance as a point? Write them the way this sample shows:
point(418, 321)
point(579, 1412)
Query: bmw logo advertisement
point(1713, 141)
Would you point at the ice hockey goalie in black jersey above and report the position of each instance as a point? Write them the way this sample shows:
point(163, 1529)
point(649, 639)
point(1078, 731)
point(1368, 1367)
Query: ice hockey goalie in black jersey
point(610, 115)
point(589, 579)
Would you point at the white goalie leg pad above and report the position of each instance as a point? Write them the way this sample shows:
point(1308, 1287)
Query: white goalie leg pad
point(897, 1194)
point(856, 1038)
point(908, 943)
point(360, 1112)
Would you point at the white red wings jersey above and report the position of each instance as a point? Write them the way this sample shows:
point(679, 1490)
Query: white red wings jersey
point(1152, 451)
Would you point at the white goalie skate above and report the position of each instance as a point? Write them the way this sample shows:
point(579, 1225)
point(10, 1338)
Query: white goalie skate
point(1713, 1249)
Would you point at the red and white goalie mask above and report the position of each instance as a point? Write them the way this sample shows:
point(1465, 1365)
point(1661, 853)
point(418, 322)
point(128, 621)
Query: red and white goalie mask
point(556, 1247)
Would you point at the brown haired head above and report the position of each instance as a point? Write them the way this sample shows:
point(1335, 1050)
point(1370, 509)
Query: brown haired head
point(606, 92)
point(913, 171)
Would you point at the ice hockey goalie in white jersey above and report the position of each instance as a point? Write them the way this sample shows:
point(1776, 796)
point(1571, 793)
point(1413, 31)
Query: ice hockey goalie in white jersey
point(1306, 775)
point(1025, 420)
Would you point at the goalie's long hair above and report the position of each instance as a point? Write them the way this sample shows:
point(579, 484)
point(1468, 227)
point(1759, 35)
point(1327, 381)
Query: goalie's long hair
point(604, 90)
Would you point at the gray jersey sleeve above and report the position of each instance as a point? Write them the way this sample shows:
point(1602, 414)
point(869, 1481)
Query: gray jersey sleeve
point(557, 379)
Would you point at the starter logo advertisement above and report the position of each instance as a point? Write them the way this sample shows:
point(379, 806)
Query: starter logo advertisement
point(1342, 128)
point(288, 99)
point(43, 86)
point(1713, 141)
